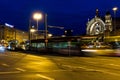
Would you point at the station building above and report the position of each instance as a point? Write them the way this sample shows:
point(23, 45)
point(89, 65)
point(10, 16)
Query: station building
point(103, 28)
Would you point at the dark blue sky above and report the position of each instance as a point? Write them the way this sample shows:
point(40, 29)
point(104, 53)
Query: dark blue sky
point(71, 14)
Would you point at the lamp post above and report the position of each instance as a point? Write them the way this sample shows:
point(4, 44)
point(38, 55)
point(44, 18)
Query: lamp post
point(114, 10)
point(46, 30)
point(37, 16)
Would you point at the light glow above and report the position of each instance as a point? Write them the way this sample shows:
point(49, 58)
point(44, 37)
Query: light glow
point(32, 30)
point(37, 16)
point(115, 9)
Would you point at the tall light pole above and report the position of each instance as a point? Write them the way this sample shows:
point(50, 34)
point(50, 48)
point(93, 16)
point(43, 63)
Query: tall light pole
point(37, 16)
point(46, 30)
point(114, 10)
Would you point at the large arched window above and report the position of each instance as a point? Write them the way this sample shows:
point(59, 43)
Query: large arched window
point(95, 26)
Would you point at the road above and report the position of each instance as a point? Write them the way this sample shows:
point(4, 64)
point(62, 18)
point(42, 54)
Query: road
point(21, 66)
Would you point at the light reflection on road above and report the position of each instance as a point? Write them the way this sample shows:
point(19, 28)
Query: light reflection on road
point(114, 52)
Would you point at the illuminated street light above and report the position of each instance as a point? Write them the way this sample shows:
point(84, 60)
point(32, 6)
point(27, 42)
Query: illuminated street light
point(50, 35)
point(32, 30)
point(114, 10)
point(37, 16)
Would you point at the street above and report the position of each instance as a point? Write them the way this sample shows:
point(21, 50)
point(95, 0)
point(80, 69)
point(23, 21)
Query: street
point(23, 66)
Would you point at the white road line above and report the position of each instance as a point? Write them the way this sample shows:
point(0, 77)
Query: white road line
point(107, 72)
point(92, 62)
point(6, 65)
point(114, 65)
point(103, 71)
point(10, 72)
point(45, 77)
point(20, 69)
point(80, 67)
point(90, 69)
point(60, 70)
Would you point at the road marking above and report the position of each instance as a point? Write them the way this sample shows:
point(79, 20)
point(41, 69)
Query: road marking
point(60, 70)
point(92, 62)
point(114, 65)
point(98, 70)
point(107, 72)
point(20, 69)
point(90, 69)
point(103, 71)
point(12, 72)
point(6, 65)
point(80, 67)
point(45, 77)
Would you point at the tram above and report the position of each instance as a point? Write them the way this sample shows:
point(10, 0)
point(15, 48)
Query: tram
point(61, 45)
point(70, 45)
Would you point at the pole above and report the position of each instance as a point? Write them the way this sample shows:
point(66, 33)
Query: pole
point(69, 45)
point(37, 30)
point(37, 24)
point(29, 33)
point(115, 22)
point(15, 34)
point(46, 30)
point(115, 9)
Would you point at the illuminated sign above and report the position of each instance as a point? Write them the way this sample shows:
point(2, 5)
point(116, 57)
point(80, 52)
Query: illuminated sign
point(11, 26)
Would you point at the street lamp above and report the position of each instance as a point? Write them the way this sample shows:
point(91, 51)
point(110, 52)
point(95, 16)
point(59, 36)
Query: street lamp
point(37, 16)
point(32, 30)
point(114, 10)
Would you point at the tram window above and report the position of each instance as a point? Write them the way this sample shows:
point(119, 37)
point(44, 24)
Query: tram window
point(40, 45)
point(33, 45)
point(64, 45)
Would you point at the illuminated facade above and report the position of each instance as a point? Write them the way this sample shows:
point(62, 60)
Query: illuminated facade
point(97, 26)
point(108, 24)
point(21, 35)
point(8, 33)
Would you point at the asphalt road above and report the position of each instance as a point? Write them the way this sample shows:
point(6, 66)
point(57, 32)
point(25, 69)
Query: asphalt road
point(21, 66)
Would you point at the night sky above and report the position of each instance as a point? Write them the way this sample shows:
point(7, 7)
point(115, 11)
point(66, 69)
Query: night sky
point(70, 14)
